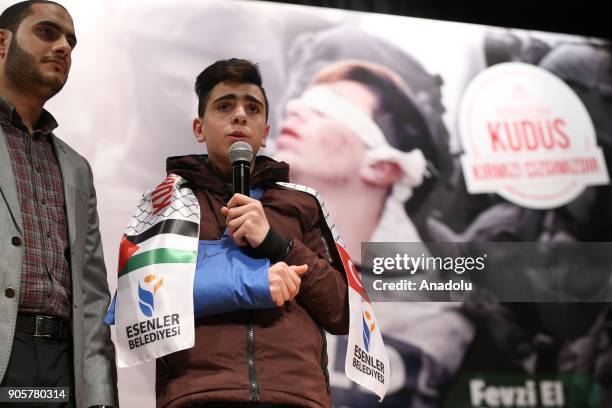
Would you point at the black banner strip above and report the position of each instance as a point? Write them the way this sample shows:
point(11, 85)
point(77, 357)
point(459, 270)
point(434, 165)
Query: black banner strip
point(171, 226)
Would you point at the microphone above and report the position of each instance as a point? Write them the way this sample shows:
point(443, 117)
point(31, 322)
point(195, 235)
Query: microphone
point(241, 155)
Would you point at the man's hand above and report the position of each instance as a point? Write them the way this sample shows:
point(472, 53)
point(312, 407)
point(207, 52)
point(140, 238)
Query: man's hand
point(246, 220)
point(285, 281)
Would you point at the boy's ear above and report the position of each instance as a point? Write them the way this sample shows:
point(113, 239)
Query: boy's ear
point(198, 130)
point(380, 173)
point(265, 138)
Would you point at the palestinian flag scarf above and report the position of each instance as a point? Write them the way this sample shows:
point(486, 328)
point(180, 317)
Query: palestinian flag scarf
point(157, 259)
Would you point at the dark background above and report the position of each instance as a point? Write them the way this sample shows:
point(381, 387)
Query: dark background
point(583, 17)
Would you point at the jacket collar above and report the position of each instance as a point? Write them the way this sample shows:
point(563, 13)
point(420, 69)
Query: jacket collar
point(198, 170)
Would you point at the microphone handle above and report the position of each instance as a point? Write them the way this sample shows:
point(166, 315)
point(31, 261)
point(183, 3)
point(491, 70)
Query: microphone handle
point(240, 181)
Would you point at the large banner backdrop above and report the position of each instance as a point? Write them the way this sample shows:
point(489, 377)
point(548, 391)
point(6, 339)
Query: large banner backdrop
point(497, 134)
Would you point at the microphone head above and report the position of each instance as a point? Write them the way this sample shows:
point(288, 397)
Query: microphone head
point(240, 151)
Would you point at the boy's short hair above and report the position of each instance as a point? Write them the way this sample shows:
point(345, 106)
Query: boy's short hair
point(233, 70)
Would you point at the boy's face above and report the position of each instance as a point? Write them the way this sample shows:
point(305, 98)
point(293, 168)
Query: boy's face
point(234, 112)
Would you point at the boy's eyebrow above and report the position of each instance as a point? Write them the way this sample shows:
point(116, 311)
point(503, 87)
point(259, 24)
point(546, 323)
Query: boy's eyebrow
point(232, 96)
point(253, 99)
point(226, 96)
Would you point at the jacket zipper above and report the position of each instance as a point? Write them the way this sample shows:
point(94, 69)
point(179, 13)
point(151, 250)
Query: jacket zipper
point(264, 168)
point(323, 355)
point(251, 361)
